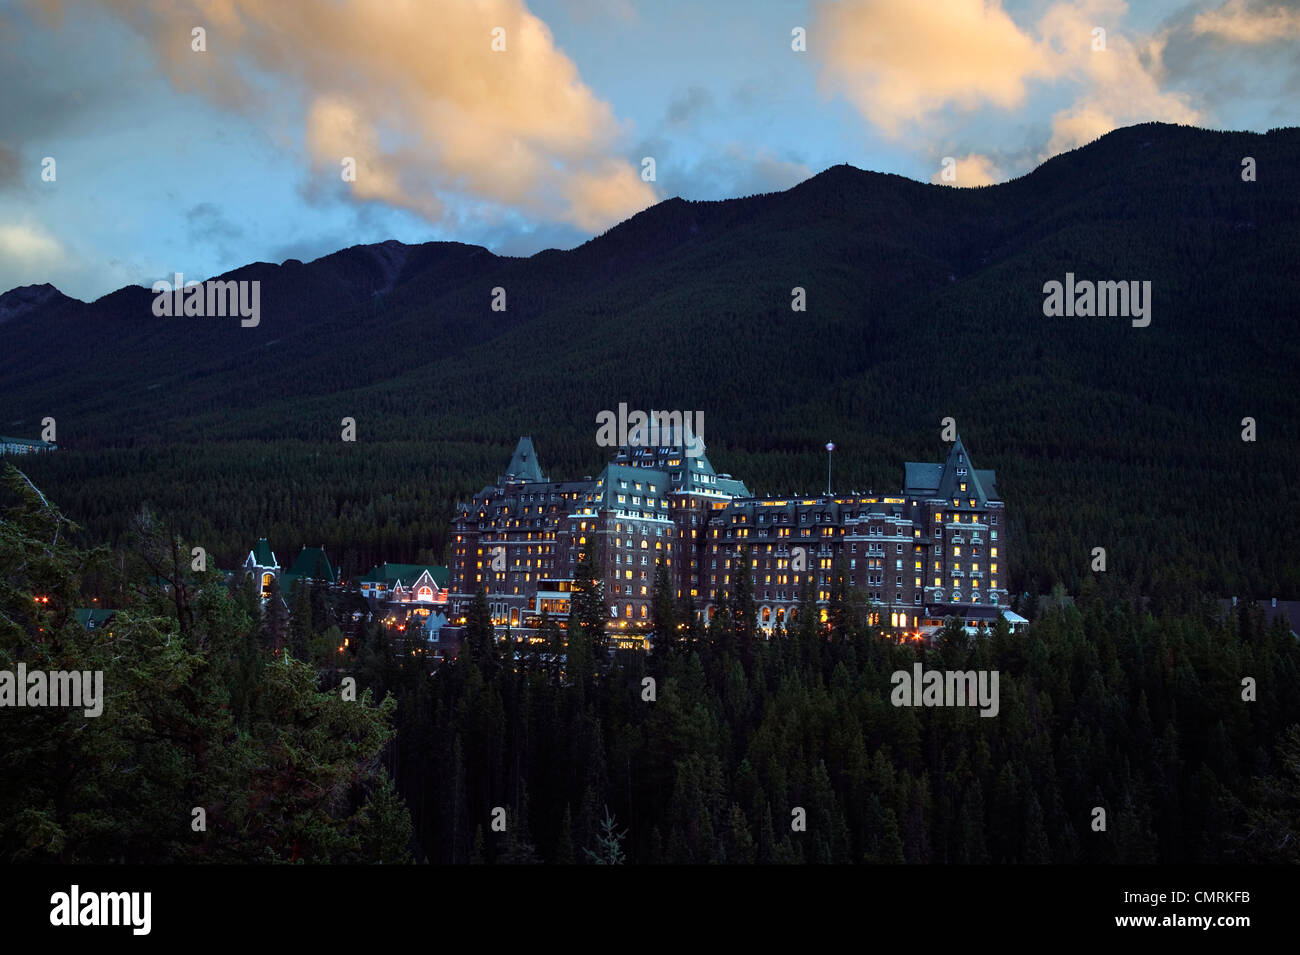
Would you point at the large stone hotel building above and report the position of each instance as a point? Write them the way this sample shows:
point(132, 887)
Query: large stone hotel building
point(925, 554)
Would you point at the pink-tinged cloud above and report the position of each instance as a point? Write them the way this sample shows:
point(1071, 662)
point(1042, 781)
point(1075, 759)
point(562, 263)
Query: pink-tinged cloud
point(415, 94)
point(970, 170)
point(897, 60)
point(902, 63)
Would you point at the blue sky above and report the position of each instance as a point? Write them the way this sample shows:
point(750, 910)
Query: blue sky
point(169, 159)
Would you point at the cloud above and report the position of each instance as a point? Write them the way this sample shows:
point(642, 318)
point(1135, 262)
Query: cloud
point(687, 105)
point(733, 171)
point(1121, 84)
point(901, 63)
point(25, 252)
point(583, 11)
point(208, 223)
point(1238, 22)
point(416, 95)
point(897, 60)
point(971, 170)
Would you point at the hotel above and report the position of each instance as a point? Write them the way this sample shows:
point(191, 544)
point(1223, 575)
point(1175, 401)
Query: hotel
point(925, 554)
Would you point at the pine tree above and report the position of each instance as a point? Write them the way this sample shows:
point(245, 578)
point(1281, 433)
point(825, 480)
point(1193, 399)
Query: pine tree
point(479, 646)
point(385, 825)
point(300, 632)
point(664, 639)
point(588, 610)
point(564, 845)
point(741, 608)
point(609, 843)
point(275, 617)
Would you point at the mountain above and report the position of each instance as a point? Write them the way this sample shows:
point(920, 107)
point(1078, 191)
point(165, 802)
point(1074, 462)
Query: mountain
point(27, 298)
point(923, 302)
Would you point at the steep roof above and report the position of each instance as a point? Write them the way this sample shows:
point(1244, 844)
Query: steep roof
point(92, 617)
point(950, 484)
point(687, 470)
point(523, 464)
point(263, 556)
point(314, 565)
point(929, 480)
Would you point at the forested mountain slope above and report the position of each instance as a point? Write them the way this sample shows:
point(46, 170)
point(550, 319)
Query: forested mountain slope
point(922, 302)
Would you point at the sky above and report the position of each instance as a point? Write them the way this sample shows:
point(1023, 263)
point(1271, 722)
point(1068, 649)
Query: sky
point(522, 125)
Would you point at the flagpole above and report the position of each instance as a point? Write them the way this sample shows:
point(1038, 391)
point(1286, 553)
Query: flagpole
point(830, 447)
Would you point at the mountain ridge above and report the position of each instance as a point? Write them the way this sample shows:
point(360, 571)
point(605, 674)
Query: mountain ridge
point(923, 302)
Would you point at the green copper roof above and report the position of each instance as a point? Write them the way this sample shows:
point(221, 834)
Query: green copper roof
point(91, 617)
point(406, 573)
point(313, 564)
point(930, 480)
point(263, 556)
point(523, 464)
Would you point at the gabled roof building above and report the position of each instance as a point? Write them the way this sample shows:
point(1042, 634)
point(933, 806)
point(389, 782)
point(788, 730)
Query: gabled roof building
point(261, 563)
point(406, 583)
